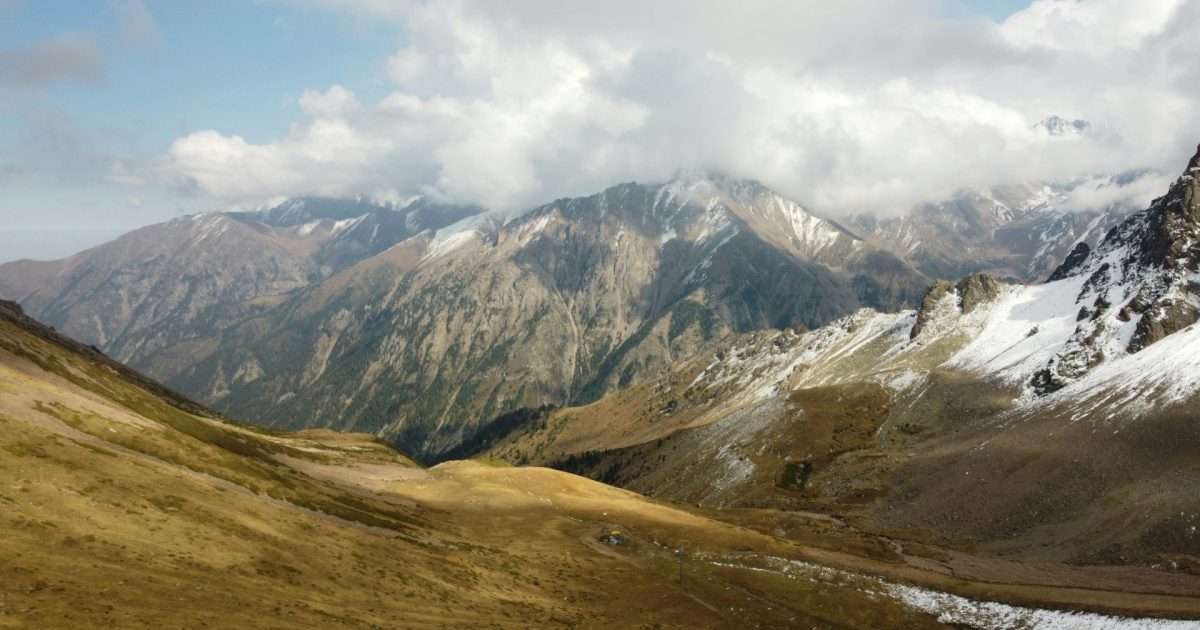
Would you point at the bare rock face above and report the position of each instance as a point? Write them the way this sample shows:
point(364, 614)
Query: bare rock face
point(975, 290)
point(1073, 261)
point(938, 290)
point(971, 292)
point(10, 307)
point(1167, 317)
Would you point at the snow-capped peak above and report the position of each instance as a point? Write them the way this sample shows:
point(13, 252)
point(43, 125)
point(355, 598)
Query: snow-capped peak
point(1059, 126)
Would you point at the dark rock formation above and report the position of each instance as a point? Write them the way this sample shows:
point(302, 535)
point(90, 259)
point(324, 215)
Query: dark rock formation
point(1074, 260)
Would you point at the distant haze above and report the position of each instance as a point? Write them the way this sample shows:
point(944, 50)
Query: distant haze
point(51, 244)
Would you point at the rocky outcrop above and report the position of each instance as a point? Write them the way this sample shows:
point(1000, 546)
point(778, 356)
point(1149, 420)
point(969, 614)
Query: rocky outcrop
point(11, 308)
point(1167, 317)
point(1074, 260)
point(937, 290)
point(975, 290)
point(971, 292)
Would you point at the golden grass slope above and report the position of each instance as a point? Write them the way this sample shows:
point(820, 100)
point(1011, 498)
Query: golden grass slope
point(119, 509)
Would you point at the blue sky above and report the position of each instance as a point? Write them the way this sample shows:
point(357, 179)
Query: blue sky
point(219, 64)
point(115, 114)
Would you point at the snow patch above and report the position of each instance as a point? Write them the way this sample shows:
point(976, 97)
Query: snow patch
point(955, 609)
point(1020, 331)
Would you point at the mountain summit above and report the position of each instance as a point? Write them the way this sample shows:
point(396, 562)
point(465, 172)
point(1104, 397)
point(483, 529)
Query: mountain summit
point(1059, 126)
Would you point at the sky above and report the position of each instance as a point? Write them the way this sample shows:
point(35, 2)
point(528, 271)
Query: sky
point(120, 113)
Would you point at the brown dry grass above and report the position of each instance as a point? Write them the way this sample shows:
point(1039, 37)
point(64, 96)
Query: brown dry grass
point(119, 510)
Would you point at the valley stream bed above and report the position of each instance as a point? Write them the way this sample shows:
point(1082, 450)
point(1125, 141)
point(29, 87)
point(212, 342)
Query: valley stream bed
point(954, 609)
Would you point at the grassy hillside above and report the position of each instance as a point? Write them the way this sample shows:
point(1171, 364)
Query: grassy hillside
point(121, 508)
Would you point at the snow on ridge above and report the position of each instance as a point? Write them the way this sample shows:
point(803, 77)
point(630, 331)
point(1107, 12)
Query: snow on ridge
point(335, 227)
point(347, 224)
point(443, 245)
point(210, 225)
point(307, 228)
point(1163, 374)
point(1075, 327)
point(458, 234)
point(814, 232)
point(761, 367)
point(1019, 332)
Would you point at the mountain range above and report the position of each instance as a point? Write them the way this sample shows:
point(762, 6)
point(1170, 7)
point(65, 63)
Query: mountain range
point(423, 322)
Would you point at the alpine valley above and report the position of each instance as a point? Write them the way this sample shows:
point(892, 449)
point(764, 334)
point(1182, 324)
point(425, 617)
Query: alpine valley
point(807, 423)
point(594, 315)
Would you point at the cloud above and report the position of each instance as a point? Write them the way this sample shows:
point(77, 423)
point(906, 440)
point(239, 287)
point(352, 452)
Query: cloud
point(1095, 25)
point(1102, 193)
point(848, 107)
point(324, 154)
point(71, 56)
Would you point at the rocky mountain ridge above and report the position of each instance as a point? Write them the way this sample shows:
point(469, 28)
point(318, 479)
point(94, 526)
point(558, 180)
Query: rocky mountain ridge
point(423, 322)
point(1018, 232)
point(114, 294)
point(558, 304)
point(1020, 417)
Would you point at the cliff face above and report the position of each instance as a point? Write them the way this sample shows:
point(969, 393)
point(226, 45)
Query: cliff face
point(1139, 285)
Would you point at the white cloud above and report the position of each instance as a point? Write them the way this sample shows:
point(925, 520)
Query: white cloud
point(849, 106)
point(335, 102)
point(1102, 193)
point(1098, 26)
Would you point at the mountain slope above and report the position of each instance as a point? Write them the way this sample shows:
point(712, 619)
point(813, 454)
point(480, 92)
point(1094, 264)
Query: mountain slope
point(1020, 232)
point(442, 332)
point(113, 294)
point(347, 315)
point(1048, 422)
